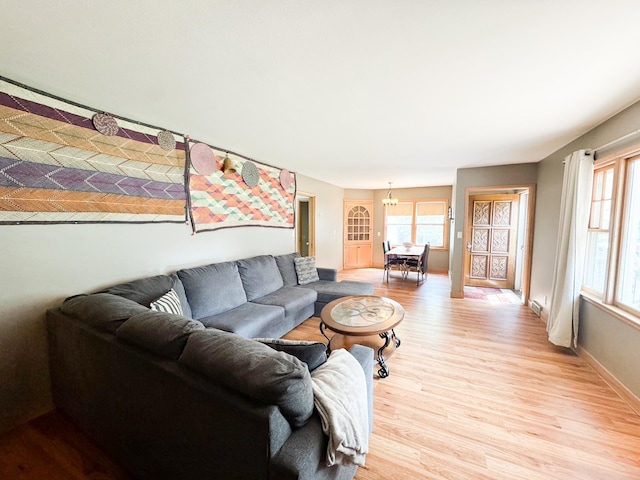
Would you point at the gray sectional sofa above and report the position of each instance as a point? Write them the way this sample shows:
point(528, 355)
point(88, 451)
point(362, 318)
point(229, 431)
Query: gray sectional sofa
point(193, 396)
point(253, 297)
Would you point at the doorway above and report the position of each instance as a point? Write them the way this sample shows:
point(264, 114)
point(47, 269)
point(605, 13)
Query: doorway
point(305, 224)
point(497, 240)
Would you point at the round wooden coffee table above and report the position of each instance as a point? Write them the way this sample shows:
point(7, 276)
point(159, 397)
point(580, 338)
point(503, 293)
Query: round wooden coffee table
point(365, 320)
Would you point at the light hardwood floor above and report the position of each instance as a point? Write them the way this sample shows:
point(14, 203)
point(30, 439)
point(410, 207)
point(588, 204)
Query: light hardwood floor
point(475, 392)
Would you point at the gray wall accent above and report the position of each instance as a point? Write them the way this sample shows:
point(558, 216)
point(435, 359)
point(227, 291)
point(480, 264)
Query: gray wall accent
point(609, 340)
point(612, 342)
point(550, 174)
point(545, 229)
point(499, 176)
point(43, 264)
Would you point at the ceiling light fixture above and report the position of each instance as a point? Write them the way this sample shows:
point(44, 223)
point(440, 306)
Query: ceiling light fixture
point(389, 200)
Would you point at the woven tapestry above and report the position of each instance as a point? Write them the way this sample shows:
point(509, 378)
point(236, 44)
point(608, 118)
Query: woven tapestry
point(229, 190)
point(64, 163)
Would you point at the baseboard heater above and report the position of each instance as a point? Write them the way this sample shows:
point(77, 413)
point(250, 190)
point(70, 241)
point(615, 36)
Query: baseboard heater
point(536, 307)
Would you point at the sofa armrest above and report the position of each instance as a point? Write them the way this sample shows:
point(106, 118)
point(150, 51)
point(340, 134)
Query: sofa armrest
point(303, 456)
point(364, 355)
point(328, 274)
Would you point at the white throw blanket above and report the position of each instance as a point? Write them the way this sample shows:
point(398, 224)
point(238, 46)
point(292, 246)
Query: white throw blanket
point(340, 396)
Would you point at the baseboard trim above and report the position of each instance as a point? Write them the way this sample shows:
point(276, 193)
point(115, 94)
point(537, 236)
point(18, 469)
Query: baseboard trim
point(623, 392)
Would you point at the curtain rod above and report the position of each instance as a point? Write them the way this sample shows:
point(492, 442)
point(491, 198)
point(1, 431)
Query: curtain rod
point(612, 142)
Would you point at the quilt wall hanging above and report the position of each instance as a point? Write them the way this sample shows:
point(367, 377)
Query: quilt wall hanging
point(61, 162)
point(230, 190)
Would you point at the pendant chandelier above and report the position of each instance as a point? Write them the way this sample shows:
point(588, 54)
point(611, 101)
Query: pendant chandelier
point(389, 200)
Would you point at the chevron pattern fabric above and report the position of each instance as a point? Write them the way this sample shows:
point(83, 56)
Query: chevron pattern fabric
point(222, 200)
point(55, 167)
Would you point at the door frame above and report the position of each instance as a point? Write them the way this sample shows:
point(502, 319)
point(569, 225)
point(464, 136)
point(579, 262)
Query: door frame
point(528, 242)
point(311, 200)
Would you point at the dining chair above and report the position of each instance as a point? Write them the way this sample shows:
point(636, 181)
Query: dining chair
point(419, 265)
point(390, 260)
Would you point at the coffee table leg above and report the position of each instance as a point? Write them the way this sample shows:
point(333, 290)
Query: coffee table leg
point(383, 372)
point(322, 326)
point(395, 338)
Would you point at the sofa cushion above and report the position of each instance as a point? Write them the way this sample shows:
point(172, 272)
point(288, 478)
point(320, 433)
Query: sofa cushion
point(253, 369)
point(212, 289)
point(249, 320)
point(327, 274)
point(313, 354)
point(260, 276)
point(168, 303)
point(144, 291)
point(287, 268)
point(306, 270)
point(164, 334)
point(104, 311)
point(290, 298)
point(179, 289)
point(328, 291)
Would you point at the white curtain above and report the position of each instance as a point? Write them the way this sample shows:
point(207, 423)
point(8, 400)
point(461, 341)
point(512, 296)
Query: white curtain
point(570, 250)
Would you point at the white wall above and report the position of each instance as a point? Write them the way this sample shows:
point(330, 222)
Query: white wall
point(43, 264)
point(329, 201)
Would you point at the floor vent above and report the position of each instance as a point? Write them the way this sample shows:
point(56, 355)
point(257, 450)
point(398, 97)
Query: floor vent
point(536, 307)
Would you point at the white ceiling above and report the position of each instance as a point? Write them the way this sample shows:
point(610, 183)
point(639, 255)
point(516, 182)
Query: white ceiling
point(357, 93)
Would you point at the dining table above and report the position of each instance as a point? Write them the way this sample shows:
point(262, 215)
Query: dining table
point(405, 252)
point(402, 251)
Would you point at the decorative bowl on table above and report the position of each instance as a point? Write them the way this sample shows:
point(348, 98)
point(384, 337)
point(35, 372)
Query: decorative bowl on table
point(407, 245)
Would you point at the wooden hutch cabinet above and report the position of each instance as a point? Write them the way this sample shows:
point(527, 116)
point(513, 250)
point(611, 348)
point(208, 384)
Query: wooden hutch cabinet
point(358, 234)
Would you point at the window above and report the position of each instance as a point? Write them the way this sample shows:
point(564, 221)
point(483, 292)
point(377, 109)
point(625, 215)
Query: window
point(629, 275)
point(399, 222)
point(598, 236)
point(430, 221)
point(614, 234)
point(418, 222)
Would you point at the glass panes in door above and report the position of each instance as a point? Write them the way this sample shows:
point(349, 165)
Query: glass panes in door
point(358, 224)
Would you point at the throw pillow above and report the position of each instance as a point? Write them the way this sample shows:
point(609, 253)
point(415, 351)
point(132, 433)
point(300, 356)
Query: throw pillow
point(306, 270)
point(168, 303)
point(313, 354)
